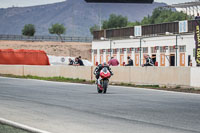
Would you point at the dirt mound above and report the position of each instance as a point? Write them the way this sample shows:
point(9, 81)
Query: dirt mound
point(72, 49)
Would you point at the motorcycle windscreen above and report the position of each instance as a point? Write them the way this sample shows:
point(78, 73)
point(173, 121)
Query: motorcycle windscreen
point(105, 70)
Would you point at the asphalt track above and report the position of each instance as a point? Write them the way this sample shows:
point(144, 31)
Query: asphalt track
point(77, 108)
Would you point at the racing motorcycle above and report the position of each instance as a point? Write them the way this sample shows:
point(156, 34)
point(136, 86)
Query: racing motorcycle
point(103, 81)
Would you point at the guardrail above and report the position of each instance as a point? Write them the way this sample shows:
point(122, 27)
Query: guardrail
point(45, 38)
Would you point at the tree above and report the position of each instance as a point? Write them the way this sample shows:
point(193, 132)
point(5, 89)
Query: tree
point(57, 29)
point(132, 24)
point(94, 28)
point(28, 30)
point(115, 21)
point(163, 15)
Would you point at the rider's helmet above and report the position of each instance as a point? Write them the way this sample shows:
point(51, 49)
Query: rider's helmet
point(104, 64)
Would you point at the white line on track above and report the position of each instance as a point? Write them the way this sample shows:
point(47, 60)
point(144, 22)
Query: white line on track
point(21, 126)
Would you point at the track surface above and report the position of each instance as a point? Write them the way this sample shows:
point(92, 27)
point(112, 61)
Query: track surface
point(77, 108)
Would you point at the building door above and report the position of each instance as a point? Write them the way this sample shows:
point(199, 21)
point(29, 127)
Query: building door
point(162, 59)
point(154, 58)
point(95, 60)
point(137, 59)
point(189, 60)
point(182, 59)
point(172, 60)
point(121, 60)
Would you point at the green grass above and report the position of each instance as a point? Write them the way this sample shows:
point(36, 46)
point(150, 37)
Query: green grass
point(138, 86)
point(58, 79)
point(9, 129)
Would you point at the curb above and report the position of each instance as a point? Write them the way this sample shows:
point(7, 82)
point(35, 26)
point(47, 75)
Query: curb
point(21, 126)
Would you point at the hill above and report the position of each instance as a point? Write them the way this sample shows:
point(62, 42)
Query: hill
point(77, 15)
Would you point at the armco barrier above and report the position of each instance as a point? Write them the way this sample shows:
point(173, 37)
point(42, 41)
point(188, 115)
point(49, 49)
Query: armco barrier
point(169, 76)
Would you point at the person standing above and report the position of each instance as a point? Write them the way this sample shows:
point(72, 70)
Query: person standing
point(130, 61)
point(113, 62)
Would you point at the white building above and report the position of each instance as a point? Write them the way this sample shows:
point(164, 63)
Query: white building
point(166, 50)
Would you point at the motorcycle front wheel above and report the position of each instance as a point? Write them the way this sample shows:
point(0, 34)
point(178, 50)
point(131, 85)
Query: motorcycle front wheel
point(105, 85)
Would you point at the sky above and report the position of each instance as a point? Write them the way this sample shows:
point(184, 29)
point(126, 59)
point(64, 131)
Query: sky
point(21, 3)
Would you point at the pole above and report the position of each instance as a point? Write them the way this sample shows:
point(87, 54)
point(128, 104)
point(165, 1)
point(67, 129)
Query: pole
point(176, 48)
point(140, 50)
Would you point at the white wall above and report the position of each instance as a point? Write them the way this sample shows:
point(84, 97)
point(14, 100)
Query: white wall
point(195, 80)
point(169, 76)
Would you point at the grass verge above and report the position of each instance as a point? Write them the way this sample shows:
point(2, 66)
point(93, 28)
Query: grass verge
point(157, 87)
point(62, 79)
point(58, 79)
point(9, 129)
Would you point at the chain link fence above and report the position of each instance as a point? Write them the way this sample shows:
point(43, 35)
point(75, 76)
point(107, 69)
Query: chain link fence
point(45, 38)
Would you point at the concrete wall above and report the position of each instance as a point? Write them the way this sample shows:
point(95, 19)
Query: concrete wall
point(169, 76)
point(9, 69)
point(195, 79)
point(152, 75)
point(42, 71)
point(76, 72)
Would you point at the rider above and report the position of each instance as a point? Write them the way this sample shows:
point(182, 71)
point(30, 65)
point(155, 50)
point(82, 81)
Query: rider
point(99, 68)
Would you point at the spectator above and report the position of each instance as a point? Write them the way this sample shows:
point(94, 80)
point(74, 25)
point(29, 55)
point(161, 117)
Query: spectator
point(113, 62)
point(71, 62)
point(197, 17)
point(78, 62)
point(130, 61)
point(149, 61)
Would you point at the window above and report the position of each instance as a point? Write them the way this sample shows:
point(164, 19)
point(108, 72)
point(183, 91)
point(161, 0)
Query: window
point(121, 51)
point(153, 50)
point(101, 51)
point(128, 50)
point(145, 50)
point(114, 51)
point(162, 50)
point(137, 50)
point(95, 51)
point(107, 51)
point(182, 48)
point(172, 49)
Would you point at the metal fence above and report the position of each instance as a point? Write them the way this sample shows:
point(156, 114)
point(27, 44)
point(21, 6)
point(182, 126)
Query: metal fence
point(45, 38)
point(147, 30)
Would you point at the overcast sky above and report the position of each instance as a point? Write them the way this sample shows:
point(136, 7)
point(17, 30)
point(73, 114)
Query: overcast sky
point(20, 3)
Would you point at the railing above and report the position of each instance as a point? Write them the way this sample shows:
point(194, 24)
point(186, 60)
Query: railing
point(147, 30)
point(45, 38)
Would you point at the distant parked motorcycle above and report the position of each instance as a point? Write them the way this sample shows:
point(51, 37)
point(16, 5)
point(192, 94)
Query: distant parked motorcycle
point(103, 81)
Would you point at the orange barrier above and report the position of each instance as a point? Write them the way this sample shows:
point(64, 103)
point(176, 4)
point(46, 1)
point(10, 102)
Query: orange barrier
point(23, 57)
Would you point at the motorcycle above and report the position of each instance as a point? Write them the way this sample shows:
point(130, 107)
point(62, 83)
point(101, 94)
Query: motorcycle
point(103, 81)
